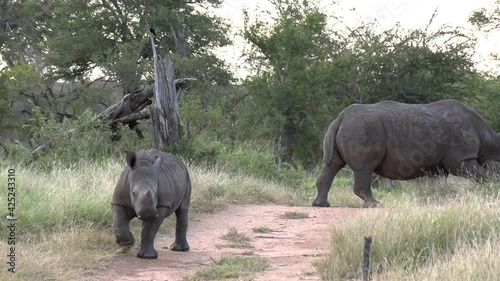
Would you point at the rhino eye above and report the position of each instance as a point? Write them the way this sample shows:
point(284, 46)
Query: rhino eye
point(133, 193)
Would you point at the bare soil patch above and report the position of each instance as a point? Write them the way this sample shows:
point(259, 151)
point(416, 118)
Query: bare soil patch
point(291, 247)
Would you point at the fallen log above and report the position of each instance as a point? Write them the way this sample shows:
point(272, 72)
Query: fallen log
point(131, 107)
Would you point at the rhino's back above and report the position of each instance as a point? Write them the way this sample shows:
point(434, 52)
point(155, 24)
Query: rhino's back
point(389, 135)
point(446, 121)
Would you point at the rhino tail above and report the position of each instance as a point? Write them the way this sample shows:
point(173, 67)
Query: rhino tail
point(329, 141)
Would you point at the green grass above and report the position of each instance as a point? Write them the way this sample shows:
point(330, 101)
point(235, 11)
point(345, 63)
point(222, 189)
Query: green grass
point(63, 198)
point(239, 268)
point(63, 255)
point(214, 188)
point(249, 157)
point(294, 215)
point(469, 262)
point(235, 239)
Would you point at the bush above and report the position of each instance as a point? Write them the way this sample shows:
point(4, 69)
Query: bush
point(73, 141)
point(251, 158)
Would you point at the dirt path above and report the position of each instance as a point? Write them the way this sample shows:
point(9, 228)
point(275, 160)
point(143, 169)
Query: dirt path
point(291, 248)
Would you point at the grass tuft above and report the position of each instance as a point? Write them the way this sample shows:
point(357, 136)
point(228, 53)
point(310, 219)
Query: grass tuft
point(294, 215)
point(214, 188)
point(239, 268)
point(236, 239)
point(262, 229)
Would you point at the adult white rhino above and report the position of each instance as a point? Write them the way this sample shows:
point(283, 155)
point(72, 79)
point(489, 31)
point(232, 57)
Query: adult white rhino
point(405, 141)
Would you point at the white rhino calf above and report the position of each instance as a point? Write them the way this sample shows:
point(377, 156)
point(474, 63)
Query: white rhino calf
point(405, 141)
point(152, 187)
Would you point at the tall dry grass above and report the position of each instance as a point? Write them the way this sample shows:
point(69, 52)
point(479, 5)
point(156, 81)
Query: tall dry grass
point(426, 234)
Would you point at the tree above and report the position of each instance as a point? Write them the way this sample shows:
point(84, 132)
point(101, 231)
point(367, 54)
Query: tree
point(290, 57)
point(304, 77)
point(488, 21)
point(23, 25)
point(109, 35)
point(415, 66)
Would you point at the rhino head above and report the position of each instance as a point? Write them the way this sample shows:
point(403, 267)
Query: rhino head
point(143, 183)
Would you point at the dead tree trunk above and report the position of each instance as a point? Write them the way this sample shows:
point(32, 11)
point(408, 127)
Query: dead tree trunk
point(165, 118)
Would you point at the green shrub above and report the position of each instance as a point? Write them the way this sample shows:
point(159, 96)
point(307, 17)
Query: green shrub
point(73, 141)
point(199, 150)
point(251, 158)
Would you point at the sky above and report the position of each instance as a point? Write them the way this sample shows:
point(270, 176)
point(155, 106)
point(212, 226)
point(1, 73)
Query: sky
point(410, 14)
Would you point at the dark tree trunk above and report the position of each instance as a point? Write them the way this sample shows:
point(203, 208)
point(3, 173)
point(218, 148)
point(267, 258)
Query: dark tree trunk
point(288, 142)
point(284, 145)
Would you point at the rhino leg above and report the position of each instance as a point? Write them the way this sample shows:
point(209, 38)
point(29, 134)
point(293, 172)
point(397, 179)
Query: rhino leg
point(148, 234)
point(180, 243)
point(121, 218)
point(362, 188)
point(325, 179)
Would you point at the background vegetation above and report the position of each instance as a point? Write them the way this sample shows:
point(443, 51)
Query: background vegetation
point(254, 139)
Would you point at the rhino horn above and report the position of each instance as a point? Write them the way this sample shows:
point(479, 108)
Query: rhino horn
point(148, 195)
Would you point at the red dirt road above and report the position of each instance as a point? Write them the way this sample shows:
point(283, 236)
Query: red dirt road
point(291, 249)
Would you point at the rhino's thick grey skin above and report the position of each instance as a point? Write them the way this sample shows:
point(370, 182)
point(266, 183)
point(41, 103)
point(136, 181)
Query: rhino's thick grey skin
point(152, 187)
point(405, 141)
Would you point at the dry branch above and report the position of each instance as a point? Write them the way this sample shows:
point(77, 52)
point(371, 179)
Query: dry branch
point(132, 107)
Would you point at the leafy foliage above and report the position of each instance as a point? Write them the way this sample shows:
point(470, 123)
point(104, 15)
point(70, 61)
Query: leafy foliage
point(23, 26)
point(4, 108)
point(417, 66)
point(72, 141)
point(290, 89)
point(115, 37)
point(303, 72)
point(487, 101)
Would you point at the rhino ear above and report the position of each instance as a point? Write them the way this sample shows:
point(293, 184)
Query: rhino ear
point(158, 162)
point(130, 158)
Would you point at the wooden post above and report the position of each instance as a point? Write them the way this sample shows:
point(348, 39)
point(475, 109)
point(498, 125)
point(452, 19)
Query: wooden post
point(366, 259)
